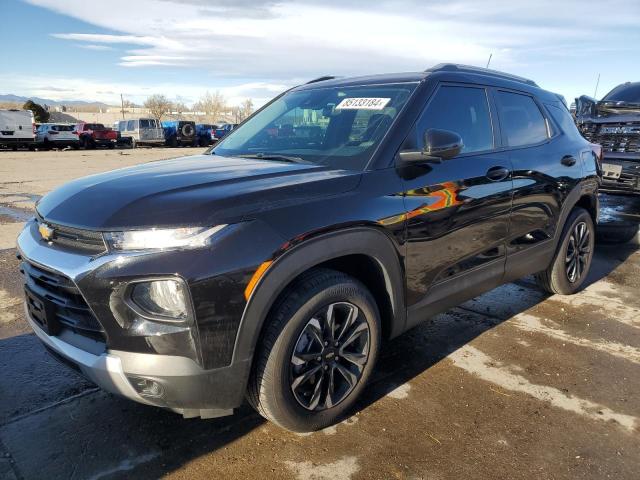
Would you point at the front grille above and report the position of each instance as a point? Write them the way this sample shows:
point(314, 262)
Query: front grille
point(69, 307)
point(75, 239)
point(614, 137)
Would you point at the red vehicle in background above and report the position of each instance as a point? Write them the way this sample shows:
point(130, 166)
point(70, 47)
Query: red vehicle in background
point(91, 135)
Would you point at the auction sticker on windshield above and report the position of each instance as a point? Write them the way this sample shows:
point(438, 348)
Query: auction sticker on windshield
point(363, 103)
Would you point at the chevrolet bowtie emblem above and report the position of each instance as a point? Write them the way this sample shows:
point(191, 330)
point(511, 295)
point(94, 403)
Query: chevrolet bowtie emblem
point(46, 232)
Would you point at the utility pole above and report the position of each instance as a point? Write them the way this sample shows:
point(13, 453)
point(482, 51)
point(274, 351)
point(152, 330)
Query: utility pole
point(122, 103)
point(489, 61)
point(595, 93)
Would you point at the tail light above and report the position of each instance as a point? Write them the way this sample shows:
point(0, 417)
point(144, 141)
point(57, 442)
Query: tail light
point(33, 126)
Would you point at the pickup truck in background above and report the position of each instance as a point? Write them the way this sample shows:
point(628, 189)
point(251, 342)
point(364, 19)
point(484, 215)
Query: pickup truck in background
point(179, 133)
point(17, 128)
point(220, 132)
point(91, 135)
point(614, 123)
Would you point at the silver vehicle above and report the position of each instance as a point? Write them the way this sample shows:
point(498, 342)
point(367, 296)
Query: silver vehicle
point(141, 131)
point(53, 135)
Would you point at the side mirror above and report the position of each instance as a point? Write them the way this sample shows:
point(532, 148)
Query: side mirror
point(439, 145)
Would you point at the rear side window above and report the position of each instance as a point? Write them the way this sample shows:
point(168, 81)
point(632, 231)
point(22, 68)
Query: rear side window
point(521, 120)
point(62, 128)
point(464, 110)
point(564, 119)
point(145, 123)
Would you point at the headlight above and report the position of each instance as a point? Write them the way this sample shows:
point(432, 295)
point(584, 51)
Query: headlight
point(166, 298)
point(161, 238)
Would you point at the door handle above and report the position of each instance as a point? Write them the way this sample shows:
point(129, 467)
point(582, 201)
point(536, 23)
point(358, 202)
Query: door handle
point(568, 161)
point(497, 174)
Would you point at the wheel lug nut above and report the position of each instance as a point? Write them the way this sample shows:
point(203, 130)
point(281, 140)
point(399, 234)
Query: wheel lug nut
point(326, 367)
point(337, 358)
point(319, 358)
point(326, 344)
point(336, 344)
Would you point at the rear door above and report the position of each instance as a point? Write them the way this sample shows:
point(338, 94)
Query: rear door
point(545, 170)
point(458, 210)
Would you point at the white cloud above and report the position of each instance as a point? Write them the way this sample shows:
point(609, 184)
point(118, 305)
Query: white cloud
point(562, 45)
point(99, 48)
point(109, 92)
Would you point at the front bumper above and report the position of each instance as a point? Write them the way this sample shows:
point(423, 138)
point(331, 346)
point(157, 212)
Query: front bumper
point(187, 388)
point(187, 385)
point(629, 181)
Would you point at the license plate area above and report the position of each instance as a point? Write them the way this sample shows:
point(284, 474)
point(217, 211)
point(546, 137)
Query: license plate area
point(42, 311)
point(610, 170)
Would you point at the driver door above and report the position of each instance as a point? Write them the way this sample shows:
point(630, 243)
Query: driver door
point(457, 210)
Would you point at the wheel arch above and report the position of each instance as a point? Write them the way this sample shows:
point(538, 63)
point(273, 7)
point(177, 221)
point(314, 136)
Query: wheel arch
point(583, 195)
point(366, 253)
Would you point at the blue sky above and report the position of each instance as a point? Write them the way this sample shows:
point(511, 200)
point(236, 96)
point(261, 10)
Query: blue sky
point(78, 49)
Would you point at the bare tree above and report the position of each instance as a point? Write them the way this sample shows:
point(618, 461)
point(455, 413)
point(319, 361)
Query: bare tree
point(158, 106)
point(213, 105)
point(178, 108)
point(246, 109)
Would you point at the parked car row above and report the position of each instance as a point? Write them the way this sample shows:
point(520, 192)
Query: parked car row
point(19, 130)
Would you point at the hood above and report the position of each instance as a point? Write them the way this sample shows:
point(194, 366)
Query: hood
point(201, 190)
point(591, 110)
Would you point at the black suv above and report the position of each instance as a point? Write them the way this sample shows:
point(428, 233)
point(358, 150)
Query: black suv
point(614, 122)
point(338, 216)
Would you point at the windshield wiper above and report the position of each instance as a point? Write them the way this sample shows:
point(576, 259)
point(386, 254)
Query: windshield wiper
point(273, 156)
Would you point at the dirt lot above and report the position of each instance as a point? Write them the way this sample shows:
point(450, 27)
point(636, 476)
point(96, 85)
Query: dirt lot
point(513, 384)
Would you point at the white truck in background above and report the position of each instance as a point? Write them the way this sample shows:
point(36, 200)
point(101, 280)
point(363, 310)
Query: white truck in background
point(17, 128)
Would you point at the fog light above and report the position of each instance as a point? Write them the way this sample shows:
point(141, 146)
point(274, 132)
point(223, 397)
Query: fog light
point(147, 387)
point(166, 298)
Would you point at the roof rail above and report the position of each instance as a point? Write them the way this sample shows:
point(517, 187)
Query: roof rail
point(321, 79)
point(453, 67)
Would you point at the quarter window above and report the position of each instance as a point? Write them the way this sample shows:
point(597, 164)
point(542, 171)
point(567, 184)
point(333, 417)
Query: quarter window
point(520, 119)
point(463, 110)
point(565, 121)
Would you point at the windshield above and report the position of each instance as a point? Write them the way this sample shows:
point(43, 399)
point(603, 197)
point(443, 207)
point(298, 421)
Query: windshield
point(339, 127)
point(628, 93)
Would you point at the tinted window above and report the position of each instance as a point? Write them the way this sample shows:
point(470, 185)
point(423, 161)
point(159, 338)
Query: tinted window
point(624, 93)
point(145, 123)
point(62, 128)
point(463, 110)
point(564, 119)
point(131, 125)
point(521, 119)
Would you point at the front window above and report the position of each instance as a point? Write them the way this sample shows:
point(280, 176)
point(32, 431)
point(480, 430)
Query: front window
point(339, 127)
point(627, 93)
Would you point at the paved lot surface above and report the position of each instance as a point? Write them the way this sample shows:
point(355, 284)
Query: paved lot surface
point(513, 384)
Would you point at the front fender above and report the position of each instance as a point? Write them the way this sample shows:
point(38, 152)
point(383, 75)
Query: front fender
point(358, 240)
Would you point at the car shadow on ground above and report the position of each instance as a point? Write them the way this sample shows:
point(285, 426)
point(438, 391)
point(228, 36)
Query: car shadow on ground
point(424, 346)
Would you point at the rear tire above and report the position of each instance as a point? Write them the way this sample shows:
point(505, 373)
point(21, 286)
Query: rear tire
point(572, 261)
point(616, 233)
point(325, 329)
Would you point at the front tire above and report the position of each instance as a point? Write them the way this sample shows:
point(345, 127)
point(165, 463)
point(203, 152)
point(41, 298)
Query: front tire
point(572, 261)
point(317, 352)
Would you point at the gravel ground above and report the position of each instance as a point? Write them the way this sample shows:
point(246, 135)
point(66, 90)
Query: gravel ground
point(513, 384)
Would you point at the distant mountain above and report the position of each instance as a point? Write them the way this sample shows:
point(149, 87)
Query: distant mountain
point(47, 101)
